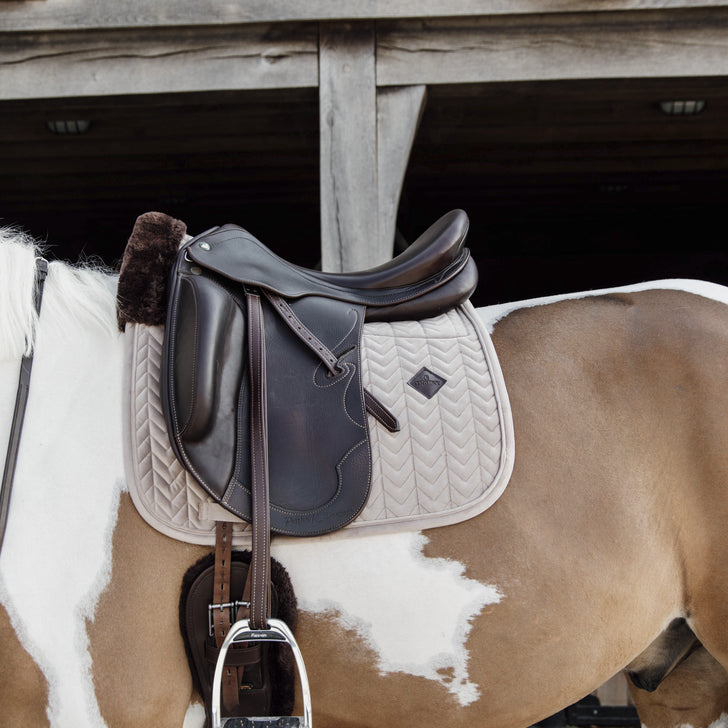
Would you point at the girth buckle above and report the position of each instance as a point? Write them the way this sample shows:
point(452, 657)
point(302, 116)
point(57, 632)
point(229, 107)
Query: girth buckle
point(232, 608)
point(277, 631)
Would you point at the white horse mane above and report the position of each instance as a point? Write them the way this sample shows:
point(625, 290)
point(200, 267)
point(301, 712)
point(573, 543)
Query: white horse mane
point(73, 296)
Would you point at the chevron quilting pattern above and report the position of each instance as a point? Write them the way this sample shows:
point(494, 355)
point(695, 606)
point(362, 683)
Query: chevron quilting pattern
point(165, 494)
point(449, 447)
point(451, 459)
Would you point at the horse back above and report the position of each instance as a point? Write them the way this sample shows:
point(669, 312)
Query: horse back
point(630, 390)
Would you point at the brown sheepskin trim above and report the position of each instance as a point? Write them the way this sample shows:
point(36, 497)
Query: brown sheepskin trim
point(149, 254)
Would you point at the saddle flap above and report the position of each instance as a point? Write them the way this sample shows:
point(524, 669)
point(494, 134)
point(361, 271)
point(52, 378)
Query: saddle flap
point(319, 453)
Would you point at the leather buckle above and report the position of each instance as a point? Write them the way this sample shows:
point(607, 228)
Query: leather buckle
point(232, 608)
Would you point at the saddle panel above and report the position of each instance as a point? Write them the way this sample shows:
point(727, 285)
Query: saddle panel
point(319, 455)
point(204, 378)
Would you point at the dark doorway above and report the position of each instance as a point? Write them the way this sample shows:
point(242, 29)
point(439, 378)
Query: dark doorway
point(569, 185)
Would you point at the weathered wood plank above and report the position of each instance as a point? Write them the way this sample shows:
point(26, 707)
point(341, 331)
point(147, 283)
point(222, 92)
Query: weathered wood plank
point(59, 65)
point(409, 52)
point(399, 110)
point(77, 14)
point(348, 123)
point(597, 45)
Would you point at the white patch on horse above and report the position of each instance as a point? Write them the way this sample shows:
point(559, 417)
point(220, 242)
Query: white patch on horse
point(415, 612)
point(56, 557)
point(195, 716)
point(721, 722)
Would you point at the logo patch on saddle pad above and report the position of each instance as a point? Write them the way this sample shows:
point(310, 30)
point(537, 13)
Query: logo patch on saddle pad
point(427, 382)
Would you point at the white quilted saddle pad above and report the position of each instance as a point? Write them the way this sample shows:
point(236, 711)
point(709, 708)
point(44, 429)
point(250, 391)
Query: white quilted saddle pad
point(450, 461)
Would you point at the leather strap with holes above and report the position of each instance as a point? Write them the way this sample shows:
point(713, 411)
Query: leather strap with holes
point(373, 406)
point(221, 595)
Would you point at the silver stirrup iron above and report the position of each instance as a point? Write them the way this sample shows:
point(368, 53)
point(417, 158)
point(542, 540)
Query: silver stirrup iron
point(277, 631)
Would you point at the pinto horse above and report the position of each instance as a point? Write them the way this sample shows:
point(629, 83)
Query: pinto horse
point(611, 531)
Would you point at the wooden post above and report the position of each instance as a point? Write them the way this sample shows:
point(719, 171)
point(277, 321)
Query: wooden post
point(366, 137)
point(398, 115)
point(348, 123)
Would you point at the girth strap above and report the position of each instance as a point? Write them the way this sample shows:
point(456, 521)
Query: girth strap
point(21, 401)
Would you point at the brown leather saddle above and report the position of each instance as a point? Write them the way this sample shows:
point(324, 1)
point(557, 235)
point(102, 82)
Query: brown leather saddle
point(249, 332)
point(263, 398)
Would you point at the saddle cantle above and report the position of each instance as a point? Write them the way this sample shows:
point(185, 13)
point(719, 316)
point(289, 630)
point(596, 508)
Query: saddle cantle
point(316, 438)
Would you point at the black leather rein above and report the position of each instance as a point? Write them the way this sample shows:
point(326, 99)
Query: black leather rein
point(21, 401)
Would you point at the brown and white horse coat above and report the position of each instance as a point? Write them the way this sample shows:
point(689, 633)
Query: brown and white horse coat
point(612, 526)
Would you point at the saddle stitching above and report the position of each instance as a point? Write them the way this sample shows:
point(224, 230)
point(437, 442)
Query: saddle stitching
point(194, 388)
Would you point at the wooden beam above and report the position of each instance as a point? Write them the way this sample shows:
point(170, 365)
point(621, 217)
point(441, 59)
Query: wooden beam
point(546, 47)
point(49, 15)
point(348, 123)
point(645, 43)
point(399, 109)
point(68, 64)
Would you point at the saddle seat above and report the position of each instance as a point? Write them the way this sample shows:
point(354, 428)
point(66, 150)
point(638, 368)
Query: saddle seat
point(431, 276)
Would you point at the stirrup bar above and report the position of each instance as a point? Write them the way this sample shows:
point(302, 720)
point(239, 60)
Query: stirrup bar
point(277, 631)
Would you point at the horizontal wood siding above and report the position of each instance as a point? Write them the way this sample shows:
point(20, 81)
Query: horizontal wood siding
point(16, 15)
point(550, 47)
point(68, 64)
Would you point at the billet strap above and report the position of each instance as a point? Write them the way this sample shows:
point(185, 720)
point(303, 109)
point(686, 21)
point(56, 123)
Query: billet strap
point(259, 575)
point(304, 333)
point(375, 408)
point(221, 594)
point(21, 402)
point(221, 613)
point(244, 655)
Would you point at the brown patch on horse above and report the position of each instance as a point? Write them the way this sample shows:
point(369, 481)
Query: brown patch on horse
point(140, 668)
point(23, 688)
point(607, 442)
point(621, 299)
point(695, 694)
point(348, 690)
point(148, 258)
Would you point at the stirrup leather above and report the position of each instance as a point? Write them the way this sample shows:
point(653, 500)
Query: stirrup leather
point(277, 631)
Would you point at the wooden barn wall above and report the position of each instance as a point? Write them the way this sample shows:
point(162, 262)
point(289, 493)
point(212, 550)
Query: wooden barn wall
point(542, 122)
